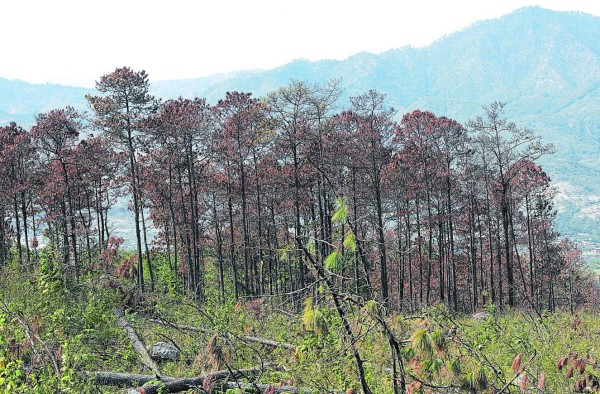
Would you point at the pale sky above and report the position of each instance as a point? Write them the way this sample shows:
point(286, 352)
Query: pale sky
point(74, 42)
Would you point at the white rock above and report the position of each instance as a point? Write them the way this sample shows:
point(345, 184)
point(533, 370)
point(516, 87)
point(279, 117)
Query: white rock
point(164, 351)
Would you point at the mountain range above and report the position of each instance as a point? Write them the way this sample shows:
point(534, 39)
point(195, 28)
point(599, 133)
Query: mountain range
point(544, 64)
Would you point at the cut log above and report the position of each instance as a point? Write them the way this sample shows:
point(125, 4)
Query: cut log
point(247, 338)
point(138, 345)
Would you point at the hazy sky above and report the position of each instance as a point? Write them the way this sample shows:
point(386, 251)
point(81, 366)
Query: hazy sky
point(75, 41)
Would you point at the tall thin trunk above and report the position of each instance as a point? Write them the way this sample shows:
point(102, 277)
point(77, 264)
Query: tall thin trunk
point(441, 256)
point(473, 253)
point(297, 223)
point(25, 230)
point(490, 239)
point(429, 248)
point(259, 224)
point(530, 247)
point(219, 241)
point(402, 258)
point(452, 276)
point(507, 248)
point(148, 256)
point(194, 216)
point(186, 236)
point(136, 209)
point(355, 230)
point(231, 237)
point(65, 238)
point(381, 243)
point(18, 228)
point(246, 237)
point(409, 249)
point(173, 220)
point(499, 273)
point(420, 250)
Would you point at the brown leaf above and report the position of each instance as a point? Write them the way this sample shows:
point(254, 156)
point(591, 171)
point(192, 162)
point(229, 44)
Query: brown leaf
point(516, 364)
point(541, 381)
point(523, 383)
point(581, 366)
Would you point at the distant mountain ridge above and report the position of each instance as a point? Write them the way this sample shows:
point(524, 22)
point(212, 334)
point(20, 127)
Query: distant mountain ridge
point(20, 101)
point(544, 64)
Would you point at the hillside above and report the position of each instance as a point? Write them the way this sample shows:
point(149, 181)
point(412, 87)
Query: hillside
point(545, 64)
point(21, 101)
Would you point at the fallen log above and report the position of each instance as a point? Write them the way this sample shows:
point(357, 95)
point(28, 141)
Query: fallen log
point(179, 386)
point(220, 381)
point(124, 379)
point(247, 338)
point(132, 379)
point(138, 345)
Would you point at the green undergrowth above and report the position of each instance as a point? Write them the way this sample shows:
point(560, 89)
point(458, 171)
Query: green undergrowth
point(53, 331)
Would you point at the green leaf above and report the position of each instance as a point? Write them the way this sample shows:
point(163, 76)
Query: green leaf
point(334, 261)
point(308, 315)
point(350, 241)
point(420, 340)
point(435, 367)
point(341, 213)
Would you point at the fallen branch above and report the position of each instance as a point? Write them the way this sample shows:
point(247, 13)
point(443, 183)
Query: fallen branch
point(262, 341)
point(124, 379)
point(175, 385)
point(178, 386)
point(131, 379)
point(138, 345)
point(183, 385)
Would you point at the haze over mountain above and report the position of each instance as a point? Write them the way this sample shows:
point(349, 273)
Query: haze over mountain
point(544, 64)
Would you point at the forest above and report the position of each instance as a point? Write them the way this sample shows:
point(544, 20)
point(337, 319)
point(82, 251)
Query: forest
point(340, 232)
